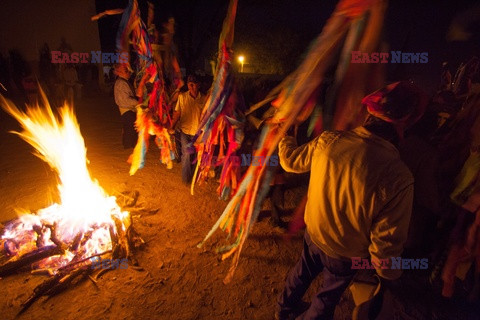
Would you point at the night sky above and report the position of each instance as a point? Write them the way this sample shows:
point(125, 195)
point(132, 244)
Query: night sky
point(270, 31)
point(410, 26)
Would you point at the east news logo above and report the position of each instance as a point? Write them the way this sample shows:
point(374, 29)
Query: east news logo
point(98, 263)
point(392, 263)
point(394, 56)
point(92, 57)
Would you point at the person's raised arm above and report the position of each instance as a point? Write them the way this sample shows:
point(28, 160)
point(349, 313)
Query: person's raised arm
point(296, 159)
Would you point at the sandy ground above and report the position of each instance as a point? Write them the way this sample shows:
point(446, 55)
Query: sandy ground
point(179, 281)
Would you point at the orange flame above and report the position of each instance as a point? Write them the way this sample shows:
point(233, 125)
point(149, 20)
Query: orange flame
point(84, 208)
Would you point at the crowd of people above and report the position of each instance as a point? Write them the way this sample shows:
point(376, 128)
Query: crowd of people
point(405, 184)
point(60, 81)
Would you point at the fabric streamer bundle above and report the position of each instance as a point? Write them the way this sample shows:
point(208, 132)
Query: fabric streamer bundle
point(153, 116)
point(221, 119)
point(295, 99)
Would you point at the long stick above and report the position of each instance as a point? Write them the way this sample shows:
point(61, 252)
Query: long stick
point(39, 291)
point(83, 260)
point(29, 258)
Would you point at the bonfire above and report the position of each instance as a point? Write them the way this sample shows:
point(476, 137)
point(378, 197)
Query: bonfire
point(67, 239)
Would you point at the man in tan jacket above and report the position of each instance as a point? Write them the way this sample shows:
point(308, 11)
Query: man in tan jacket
point(359, 200)
point(186, 117)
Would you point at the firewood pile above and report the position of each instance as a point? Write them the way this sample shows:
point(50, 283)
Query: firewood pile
point(66, 263)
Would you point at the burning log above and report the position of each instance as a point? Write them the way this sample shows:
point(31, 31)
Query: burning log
point(27, 259)
point(126, 238)
point(43, 272)
point(76, 242)
point(40, 235)
point(3, 252)
point(54, 238)
point(65, 276)
point(67, 279)
point(123, 239)
point(73, 265)
point(113, 238)
point(122, 248)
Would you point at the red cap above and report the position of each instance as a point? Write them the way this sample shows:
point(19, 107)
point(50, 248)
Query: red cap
point(401, 103)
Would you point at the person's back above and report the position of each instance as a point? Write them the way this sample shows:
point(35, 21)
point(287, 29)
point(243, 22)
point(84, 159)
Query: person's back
point(352, 179)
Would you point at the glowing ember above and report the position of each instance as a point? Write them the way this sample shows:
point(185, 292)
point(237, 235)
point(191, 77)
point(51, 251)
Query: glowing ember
point(86, 218)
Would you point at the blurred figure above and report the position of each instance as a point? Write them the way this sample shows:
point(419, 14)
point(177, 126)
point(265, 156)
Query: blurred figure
point(30, 87)
point(70, 78)
point(127, 103)
point(19, 68)
point(462, 82)
point(422, 158)
point(46, 69)
point(446, 78)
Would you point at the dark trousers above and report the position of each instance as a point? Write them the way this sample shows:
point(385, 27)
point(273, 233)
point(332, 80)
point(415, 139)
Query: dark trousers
point(129, 134)
point(187, 157)
point(337, 275)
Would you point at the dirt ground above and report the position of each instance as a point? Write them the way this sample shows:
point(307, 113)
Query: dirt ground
point(179, 281)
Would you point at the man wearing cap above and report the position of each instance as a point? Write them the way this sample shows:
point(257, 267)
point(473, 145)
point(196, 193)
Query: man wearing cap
point(186, 119)
point(359, 200)
point(126, 102)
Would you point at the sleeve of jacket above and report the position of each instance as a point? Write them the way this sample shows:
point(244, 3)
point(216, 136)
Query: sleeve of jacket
point(296, 159)
point(389, 231)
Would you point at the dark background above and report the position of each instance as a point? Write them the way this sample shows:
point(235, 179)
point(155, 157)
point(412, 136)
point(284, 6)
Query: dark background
point(275, 33)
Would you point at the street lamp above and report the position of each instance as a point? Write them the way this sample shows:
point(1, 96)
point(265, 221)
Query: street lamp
point(241, 59)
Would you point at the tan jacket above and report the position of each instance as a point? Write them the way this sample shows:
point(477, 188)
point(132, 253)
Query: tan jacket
point(359, 197)
point(124, 96)
point(190, 109)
